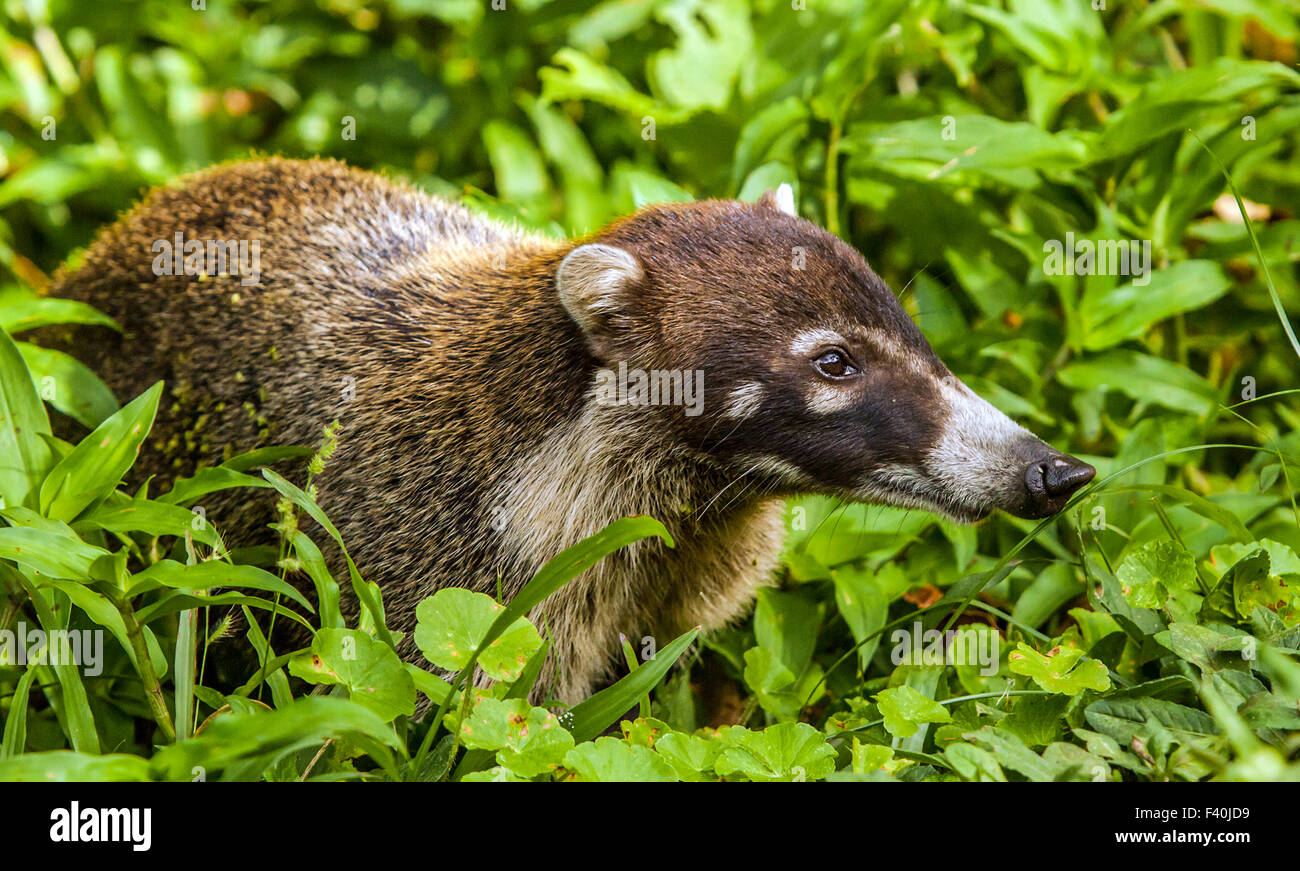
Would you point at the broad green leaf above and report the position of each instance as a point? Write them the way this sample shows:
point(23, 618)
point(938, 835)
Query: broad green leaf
point(1063, 669)
point(452, 623)
point(206, 481)
point(68, 385)
point(974, 764)
point(517, 166)
point(1173, 101)
point(22, 310)
point(529, 741)
point(1125, 719)
point(564, 567)
point(577, 76)
point(1128, 311)
point(904, 709)
point(242, 746)
point(1144, 378)
point(691, 756)
point(24, 455)
point(96, 465)
point(713, 41)
point(1012, 753)
point(206, 575)
point(370, 671)
point(1282, 559)
point(784, 752)
point(609, 760)
point(67, 766)
point(1148, 574)
point(125, 516)
point(51, 553)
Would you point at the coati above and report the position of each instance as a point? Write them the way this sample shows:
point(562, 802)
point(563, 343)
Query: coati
point(469, 365)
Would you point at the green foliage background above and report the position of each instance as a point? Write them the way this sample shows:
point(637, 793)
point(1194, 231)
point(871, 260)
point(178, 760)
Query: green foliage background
point(948, 141)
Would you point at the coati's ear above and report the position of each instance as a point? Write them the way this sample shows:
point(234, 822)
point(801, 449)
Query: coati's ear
point(595, 281)
point(781, 199)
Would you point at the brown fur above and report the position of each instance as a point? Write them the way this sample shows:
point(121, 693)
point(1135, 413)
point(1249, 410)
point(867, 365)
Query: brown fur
point(476, 447)
point(464, 363)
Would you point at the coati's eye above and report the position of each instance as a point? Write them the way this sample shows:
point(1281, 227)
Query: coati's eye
point(835, 364)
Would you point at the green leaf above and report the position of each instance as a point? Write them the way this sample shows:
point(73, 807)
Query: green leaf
point(126, 516)
point(594, 715)
point(20, 311)
point(566, 566)
point(864, 605)
point(1125, 719)
point(1144, 378)
point(609, 760)
point(689, 755)
point(69, 386)
point(66, 766)
point(1148, 574)
point(1128, 311)
point(241, 746)
point(1281, 558)
point(206, 481)
point(784, 752)
point(529, 741)
point(576, 76)
point(905, 709)
point(15, 730)
point(23, 421)
point(367, 592)
point(56, 554)
point(713, 41)
point(95, 466)
point(373, 675)
point(1063, 669)
point(517, 166)
point(206, 575)
point(452, 624)
point(956, 147)
point(1172, 102)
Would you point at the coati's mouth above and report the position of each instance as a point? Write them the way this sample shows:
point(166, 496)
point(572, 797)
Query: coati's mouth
point(1039, 488)
point(905, 488)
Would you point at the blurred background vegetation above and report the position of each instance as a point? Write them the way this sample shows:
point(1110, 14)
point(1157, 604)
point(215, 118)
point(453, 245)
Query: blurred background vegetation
point(947, 140)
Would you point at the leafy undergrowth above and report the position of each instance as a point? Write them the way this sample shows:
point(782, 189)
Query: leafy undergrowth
point(1147, 633)
point(1176, 660)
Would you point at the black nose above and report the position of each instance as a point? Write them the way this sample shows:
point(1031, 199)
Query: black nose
point(1052, 480)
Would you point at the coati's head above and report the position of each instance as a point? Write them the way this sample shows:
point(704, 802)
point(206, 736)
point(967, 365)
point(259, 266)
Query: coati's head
point(815, 379)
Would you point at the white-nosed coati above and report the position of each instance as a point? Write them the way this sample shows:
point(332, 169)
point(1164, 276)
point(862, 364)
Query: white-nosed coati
point(468, 364)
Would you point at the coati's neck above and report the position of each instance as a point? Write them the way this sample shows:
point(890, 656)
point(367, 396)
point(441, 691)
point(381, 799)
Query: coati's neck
point(595, 468)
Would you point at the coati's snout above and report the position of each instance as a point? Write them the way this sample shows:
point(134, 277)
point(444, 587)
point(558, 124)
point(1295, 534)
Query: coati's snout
point(814, 377)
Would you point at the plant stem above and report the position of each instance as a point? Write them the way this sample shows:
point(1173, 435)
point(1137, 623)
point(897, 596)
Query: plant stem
point(144, 665)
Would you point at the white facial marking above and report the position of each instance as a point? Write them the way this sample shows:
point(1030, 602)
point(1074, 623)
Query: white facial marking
point(825, 398)
point(744, 400)
point(810, 340)
point(973, 458)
